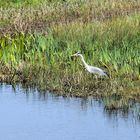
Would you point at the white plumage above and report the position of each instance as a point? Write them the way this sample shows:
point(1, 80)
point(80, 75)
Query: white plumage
point(91, 69)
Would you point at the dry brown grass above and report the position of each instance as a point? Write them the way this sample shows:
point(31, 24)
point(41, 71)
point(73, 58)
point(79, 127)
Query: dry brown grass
point(30, 18)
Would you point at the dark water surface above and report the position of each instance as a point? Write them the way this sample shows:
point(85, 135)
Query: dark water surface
point(35, 116)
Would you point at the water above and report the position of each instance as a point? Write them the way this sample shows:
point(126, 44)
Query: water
point(34, 116)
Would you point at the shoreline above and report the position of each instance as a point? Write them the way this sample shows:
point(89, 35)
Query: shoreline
point(116, 93)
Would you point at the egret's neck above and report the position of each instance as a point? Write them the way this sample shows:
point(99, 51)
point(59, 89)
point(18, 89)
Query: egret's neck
point(82, 58)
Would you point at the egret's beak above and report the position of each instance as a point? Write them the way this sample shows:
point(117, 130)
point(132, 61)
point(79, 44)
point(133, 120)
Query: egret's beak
point(74, 55)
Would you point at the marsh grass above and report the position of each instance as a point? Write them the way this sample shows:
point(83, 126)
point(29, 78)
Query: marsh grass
point(29, 15)
point(38, 39)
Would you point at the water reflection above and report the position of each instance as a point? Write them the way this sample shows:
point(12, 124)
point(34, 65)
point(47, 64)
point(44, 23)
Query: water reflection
point(84, 104)
point(28, 114)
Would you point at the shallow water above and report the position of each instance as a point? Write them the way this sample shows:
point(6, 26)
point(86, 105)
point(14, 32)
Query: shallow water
point(34, 116)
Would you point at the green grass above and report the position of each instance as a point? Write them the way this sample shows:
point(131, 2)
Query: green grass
point(39, 37)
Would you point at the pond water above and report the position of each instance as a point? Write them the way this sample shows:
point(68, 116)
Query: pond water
point(37, 116)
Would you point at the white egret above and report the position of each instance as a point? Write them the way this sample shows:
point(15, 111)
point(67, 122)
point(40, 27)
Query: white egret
point(91, 69)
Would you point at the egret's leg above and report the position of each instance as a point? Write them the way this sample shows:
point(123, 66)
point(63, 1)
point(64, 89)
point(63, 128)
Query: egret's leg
point(96, 77)
point(100, 78)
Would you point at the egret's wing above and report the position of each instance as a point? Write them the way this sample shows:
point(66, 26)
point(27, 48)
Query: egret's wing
point(97, 70)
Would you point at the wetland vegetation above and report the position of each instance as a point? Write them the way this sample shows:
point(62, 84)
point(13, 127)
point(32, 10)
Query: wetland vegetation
point(38, 38)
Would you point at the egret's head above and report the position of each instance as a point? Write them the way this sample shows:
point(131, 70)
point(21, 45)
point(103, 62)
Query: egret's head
point(76, 54)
